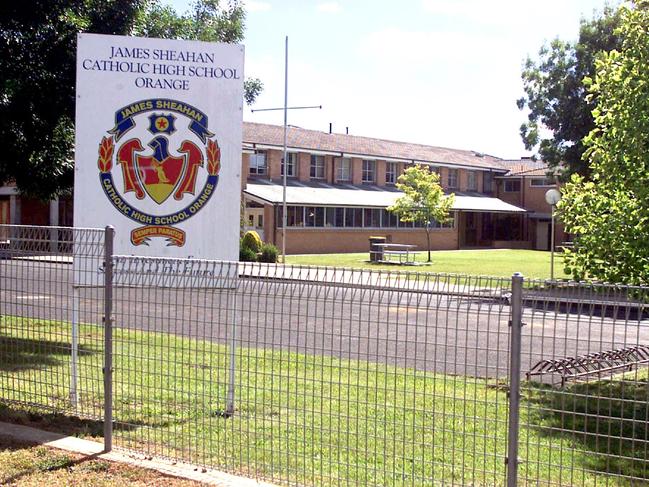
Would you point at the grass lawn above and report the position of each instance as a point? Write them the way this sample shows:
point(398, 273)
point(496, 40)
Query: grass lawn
point(34, 465)
point(311, 419)
point(498, 263)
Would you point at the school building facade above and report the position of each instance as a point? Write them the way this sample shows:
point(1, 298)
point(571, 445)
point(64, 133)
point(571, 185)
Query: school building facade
point(340, 185)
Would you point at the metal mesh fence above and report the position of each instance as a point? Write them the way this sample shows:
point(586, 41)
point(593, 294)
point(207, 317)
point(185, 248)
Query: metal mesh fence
point(313, 376)
point(51, 333)
point(586, 394)
point(322, 376)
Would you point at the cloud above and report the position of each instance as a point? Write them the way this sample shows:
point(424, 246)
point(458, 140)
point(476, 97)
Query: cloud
point(329, 7)
point(255, 6)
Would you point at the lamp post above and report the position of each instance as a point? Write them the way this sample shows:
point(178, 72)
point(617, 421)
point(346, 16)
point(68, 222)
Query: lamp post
point(552, 197)
point(285, 109)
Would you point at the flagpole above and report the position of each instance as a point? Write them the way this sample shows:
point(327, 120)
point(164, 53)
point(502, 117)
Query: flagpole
point(284, 216)
point(285, 109)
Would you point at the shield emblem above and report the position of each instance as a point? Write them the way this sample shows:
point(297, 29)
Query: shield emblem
point(160, 172)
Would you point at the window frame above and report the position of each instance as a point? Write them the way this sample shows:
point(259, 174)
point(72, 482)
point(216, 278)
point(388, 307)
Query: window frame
point(315, 166)
point(391, 169)
point(456, 178)
point(256, 166)
point(292, 164)
point(546, 180)
point(339, 167)
point(367, 163)
point(471, 176)
point(513, 182)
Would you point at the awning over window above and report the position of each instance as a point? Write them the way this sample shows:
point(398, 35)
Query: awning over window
point(366, 196)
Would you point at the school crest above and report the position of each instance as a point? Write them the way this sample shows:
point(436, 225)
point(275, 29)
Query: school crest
point(154, 167)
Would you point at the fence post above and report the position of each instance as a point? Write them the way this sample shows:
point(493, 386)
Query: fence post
point(109, 237)
point(74, 356)
point(232, 313)
point(514, 379)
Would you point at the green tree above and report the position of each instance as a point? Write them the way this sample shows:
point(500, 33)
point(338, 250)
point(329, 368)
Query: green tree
point(38, 66)
point(610, 214)
point(556, 97)
point(424, 201)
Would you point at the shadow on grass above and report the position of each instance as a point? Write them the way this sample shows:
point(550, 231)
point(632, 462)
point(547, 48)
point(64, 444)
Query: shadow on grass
point(66, 424)
point(609, 418)
point(24, 353)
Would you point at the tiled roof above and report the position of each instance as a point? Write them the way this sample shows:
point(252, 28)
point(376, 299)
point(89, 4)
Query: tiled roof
point(524, 167)
point(273, 135)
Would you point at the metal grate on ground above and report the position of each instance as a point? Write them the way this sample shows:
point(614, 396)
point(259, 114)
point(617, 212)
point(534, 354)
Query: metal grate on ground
point(597, 426)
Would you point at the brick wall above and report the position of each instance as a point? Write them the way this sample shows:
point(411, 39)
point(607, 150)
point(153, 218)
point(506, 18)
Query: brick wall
point(322, 241)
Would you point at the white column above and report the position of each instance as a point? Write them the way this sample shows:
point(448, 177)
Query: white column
point(54, 212)
point(54, 222)
point(14, 210)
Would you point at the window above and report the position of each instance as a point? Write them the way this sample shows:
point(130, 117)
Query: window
point(315, 216)
point(390, 172)
point(339, 217)
point(389, 219)
point(487, 182)
point(452, 178)
point(295, 216)
point(343, 217)
point(344, 169)
point(330, 217)
point(371, 217)
point(512, 185)
point(317, 167)
point(290, 166)
point(258, 163)
point(369, 170)
point(471, 181)
point(354, 217)
point(542, 182)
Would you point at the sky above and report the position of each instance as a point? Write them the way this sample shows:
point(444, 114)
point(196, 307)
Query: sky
point(436, 72)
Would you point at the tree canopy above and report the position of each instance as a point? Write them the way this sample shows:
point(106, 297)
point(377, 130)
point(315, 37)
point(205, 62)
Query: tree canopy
point(556, 97)
point(38, 66)
point(423, 200)
point(609, 215)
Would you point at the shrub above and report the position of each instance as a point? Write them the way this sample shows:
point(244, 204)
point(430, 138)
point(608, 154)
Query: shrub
point(269, 253)
point(246, 254)
point(251, 241)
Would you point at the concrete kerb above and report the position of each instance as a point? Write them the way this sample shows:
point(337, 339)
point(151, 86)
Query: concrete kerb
point(72, 444)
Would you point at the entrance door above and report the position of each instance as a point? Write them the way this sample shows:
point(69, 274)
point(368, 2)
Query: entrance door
point(542, 235)
point(471, 230)
point(254, 220)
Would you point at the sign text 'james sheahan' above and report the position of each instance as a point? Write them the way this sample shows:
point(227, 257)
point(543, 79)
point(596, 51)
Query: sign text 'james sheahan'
point(170, 69)
point(158, 150)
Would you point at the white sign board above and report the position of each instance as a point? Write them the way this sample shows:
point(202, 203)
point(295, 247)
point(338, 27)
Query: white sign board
point(158, 144)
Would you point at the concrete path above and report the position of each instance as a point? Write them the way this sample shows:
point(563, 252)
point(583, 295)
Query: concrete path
point(73, 444)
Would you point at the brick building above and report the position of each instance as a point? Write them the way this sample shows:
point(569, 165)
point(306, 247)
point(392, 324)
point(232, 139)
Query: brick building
point(339, 187)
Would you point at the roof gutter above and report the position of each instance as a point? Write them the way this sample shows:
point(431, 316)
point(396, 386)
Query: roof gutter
point(255, 145)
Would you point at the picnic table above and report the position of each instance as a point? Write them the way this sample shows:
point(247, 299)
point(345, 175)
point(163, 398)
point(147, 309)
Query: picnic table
point(404, 252)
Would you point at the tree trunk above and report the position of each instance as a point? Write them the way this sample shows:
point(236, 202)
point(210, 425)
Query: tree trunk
point(428, 241)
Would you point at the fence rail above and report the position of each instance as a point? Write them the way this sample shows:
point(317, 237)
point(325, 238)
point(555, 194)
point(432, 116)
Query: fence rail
point(321, 376)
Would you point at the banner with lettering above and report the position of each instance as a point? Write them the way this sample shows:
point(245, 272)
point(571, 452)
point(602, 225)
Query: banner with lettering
point(158, 144)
